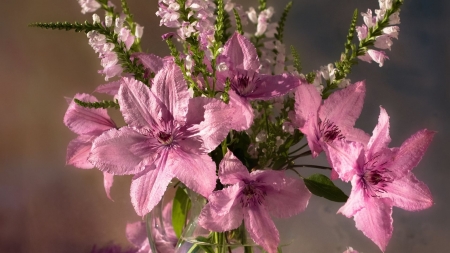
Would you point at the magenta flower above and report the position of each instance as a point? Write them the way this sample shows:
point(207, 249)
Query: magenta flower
point(163, 139)
point(88, 124)
point(252, 197)
point(242, 68)
point(331, 122)
point(381, 178)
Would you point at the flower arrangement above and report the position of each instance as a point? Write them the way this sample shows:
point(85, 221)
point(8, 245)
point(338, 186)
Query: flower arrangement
point(227, 115)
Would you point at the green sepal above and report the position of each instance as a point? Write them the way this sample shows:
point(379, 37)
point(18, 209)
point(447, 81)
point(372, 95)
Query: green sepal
point(320, 185)
point(180, 208)
point(238, 22)
point(101, 104)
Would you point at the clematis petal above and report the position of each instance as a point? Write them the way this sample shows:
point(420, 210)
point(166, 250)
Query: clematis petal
point(307, 103)
point(108, 180)
point(261, 228)
point(140, 107)
point(310, 129)
point(231, 169)
point(355, 201)
point(287, 197)
point(270, 86)
point(171, 88)
point(409, 193)
point(197, 172)
point(83, 120)
point(223, 211)
point(244, 119)
point(380, 137)
point(375, 221)
point(111, 88)
point(78, 152)
point(213, 119)
point(344, 106)
point(346, 158)
point(411, 151)
point(148, 187)
point(151, 62)
point(241, 53)
point(122, 152)
point(356, 135)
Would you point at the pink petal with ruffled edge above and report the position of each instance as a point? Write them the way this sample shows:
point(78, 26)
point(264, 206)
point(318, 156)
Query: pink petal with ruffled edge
point(244, 119)
point(412, 150)
point(78, 152)
point(140, 107)
point(347, 158)
point(111, 88)
point(241, 53)
point(81, 120)
point(307, 103)
point(355, 201)
point(108, 180)
point(231, 169)
point(380, 137)
point(122, 152)
point(270, 86)
point(279, 198)
point(171, 88)
point(261, 228)
point(375, 221)
point(197, 172)
point(150, 61)
point(409, 193)
point(344, 106)
point(223, 212)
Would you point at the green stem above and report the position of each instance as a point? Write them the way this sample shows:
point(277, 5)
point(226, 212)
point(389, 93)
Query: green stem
point(300, 148)
point(311, 166)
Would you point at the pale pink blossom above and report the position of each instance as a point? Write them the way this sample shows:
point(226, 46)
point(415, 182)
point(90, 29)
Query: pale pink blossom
point(88, 124)
point(381, 178)
point(392, 31)
point(361, 32)
point(374, 55)
point(383, 42)
point(88, 6)
point(253, 198)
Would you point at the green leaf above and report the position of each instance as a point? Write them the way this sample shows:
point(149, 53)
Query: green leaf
point(181, 205)
point(322, 186)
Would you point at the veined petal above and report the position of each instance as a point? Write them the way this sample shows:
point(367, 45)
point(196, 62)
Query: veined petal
point(409, 193)
point(411, 151)
point(270, 86)
point(148, 187)
point(151, 62)
point(356, 199)
point(310, 129)
point(261, 228)
point(197, 172)
point(241, 53)
point(111, 88)
point(140, 107)
point(344, 106)
point(244, 119)
point(108, 180)
point(223, 212)
point(171, 88)
point(380, 137)
point(231, 169)
point(375, 221)
point(83, 120)
point(307, 103)
point(78, 152)
point(347, 158)
point(287, 198)
point(121, 152)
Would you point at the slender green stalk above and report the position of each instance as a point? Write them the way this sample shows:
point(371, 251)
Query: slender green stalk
point(300, 148)
point(311, 166)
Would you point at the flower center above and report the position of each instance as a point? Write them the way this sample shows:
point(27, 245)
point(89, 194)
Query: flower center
point(243, 84)
point(252, 195)
point(330, 131)
point(376, 177)
point(165, 138)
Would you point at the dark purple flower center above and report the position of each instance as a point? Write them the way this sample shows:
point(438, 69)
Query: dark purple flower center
point(244, 84)
point(330, 131)
point(252, 195)
point(376, 177)
point(165, 138)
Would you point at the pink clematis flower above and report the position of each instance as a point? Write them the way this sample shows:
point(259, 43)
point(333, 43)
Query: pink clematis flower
point(381, 178)
point(252, 197)
point(332, 122)
point(88, 124)
point(247, 83)
point(162, 139)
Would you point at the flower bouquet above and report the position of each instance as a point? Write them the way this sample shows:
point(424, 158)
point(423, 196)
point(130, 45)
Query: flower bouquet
point(225, 121)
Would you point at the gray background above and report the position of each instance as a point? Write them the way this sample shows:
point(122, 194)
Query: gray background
point(46, 206)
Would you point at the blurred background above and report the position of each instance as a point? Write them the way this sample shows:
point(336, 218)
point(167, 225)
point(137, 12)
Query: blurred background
point(46, 206)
